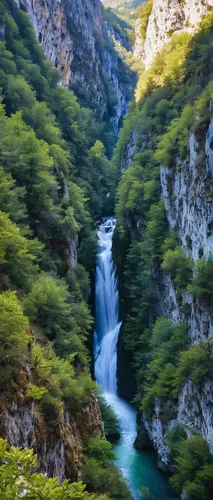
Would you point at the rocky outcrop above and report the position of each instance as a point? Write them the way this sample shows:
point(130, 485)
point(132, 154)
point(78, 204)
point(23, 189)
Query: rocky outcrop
point(142, 441)
point(60, 445)
point(129, 152)
point(122, 91)
point(75, 37)
point(186, 189)
point(168, 17)
point(186, 193)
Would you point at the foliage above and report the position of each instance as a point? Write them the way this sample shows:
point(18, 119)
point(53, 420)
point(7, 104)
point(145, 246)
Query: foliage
point(34, 392)
point(99, 473)
point(137, 189)
point(110, 420)
point(193, 469)
point(178, 266)
point(55, 381)
point(17, 479)
point(195, 364)
point(166, 344)
point(143, 13)
point(175, 141)
point(13, 336)
point(202, 281)
point(100, 179)
point(174, 438)
point(50, 168)
point(172, 98)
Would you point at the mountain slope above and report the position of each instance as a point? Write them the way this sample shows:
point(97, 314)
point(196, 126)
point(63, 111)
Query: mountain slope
point(159, 19)
point(76, 38)
point(52, 175)
point(165, 226)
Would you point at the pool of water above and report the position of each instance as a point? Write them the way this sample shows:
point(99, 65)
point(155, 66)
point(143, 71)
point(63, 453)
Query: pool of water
point(139, 468)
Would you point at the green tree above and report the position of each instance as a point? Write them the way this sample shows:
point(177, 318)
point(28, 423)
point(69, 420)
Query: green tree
point(18, 481)
point(13, 335)
point(202, 281)
point(178, 265)
point(48, 304)
point(100, 474)
point(195, 363)
point(193, 467)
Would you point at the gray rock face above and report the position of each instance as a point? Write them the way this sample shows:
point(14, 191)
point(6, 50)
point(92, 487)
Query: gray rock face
point(142, 441)
point(186, 190)
point(186, 194)
point(73, 252)
point(168, 17)
point(59, 447)
point(130, 151)
point(75, 38)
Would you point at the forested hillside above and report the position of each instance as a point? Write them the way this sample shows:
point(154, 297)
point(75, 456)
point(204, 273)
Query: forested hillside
point(67, 73)
point(165, 224)
point(54, 176)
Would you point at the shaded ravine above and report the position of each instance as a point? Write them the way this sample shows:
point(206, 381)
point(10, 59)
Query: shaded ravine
point(139, 468)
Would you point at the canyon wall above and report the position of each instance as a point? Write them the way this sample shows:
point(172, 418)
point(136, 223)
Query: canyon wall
point(60, 443)
point(186, 190)
point(77, 39)
point(187, 197)
point(168, 17)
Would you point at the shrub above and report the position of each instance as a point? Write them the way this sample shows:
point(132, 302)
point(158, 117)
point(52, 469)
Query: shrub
point(13, 335)
point(175, 141)
point(202, 281)
point(99, 474)
point(167, 342)
point(195, 364)
point(193, 469)
point(178, 265)
point(17, 479)
point(35, 392)
point(174, 438)
point(144, 14)
point(57, 379)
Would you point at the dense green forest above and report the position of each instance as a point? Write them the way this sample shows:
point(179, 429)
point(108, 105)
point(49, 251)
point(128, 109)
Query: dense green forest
point(55, 180)
point(54, 177)
point(172, 98)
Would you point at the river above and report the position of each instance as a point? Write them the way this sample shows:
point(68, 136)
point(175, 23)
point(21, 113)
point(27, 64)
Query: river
point(139, 468)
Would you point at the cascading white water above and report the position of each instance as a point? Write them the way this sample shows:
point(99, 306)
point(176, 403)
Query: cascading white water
point(138, 468)
point(107, 331)
point(107, 324)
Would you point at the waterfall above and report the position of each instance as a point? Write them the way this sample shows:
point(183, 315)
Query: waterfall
point(107, 310)
point(107, 331)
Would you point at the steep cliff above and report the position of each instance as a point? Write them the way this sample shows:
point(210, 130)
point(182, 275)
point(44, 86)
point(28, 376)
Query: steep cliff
point(76, 38)
point(186, 193)
point(60, 446)
point(164, 207)
point(166, 18)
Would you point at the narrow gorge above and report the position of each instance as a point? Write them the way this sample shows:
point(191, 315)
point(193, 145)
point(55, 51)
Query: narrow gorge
point(106, 249)
point(137, 467)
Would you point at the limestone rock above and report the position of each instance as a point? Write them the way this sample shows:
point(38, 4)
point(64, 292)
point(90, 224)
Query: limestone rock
point(168, 17)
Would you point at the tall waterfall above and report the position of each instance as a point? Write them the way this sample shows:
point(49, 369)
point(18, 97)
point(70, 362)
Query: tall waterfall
point(106, 335)
point(107, 324)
